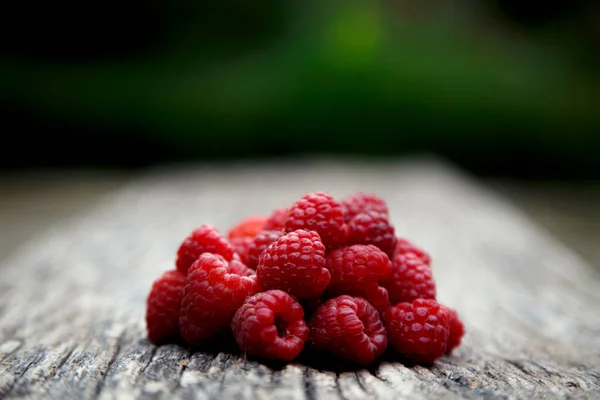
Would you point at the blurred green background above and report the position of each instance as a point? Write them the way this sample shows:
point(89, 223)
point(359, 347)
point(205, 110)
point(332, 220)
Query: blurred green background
point(502, 87)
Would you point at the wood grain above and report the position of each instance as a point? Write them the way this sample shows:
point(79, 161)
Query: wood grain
point(72, 298)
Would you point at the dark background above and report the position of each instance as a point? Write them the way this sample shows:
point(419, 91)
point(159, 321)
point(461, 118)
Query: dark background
point(502, 87)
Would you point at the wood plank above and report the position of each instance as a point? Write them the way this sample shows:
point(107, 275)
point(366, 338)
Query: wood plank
point(72, 298)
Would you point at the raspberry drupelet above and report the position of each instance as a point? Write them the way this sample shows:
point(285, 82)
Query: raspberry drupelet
point(270, 324)
point(349, 327)
point(319, 212)
point(294, 263)
point(205, 239)
point(418, 331)
point(211, 297)
point(162, 307)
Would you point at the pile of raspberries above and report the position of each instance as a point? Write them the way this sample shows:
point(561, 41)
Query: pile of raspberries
point(323, 274)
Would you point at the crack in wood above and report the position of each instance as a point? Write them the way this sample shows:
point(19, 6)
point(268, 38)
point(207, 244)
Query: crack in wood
point(309, 390)
point(113, 358)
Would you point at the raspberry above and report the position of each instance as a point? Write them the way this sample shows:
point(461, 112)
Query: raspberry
point(350, 328)
point(270, 325)
point(205, 239)
point(457, 330)
point(356, 270)
point(276, 221)
point(211, 297)
point(372, 227)
point(248, 227)
point(360, 202)
point(419, 330)
point(319, 212)
point(163, 305)
point(404, 246)
point(294, 263)
point(410, 279)
point(237, 267)
point(241, 246)
point(259, 244)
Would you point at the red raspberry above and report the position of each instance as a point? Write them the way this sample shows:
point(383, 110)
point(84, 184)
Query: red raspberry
point(259, 244)
point(419, 330)
point(270, 325)
point(276, 221)
point(248, 227)
point(241, 246)
point(211, 296)
point(372, 227)
point(457, 330)
point(236, 266)
point(404, 246)
point(356, 270)
point(360, 202)
point(319, 212)
point(163, 305)
point(350, 328)
point(205, 239)
point(410, 279)
point(294, 263)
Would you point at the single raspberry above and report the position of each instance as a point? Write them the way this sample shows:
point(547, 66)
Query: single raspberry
point(319, 212)
point(276, 221)
point(410, 279)
point(163, 305)
point(205, 239)
point(418, 331)
point(211, 297)
point(294, 263)
point(349, 327)
point(404, 246)
point(241, 246)
point(236, 266)
point(356, 270)
point(372, 227)
point(248, 227)
point(259, 244)
point(457, 330)
point(270, 325)
point(360, 202)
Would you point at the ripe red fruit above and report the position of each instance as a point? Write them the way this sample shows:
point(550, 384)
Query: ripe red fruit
point(358, 203)
point(259, 244)
point(418, 331)
point(403, 246)
point(211, 297)
point(236, 266)
point(276, 220)
point(349, 327)
point(163, 305)
point(241, 246)
point(248, 227)
point(356, 270)
point(372, 227)
point(205, 239)
point(319, 212)
point(410, 279)
point(270, 325)
point(457, 330)
point(294, 263)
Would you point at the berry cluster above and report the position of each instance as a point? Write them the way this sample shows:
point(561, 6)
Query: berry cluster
point(321, 273)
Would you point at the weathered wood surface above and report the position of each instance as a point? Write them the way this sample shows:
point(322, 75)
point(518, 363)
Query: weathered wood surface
point(72, 298)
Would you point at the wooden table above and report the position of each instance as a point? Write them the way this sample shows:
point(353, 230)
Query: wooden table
point(72, 298)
